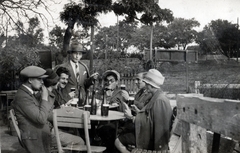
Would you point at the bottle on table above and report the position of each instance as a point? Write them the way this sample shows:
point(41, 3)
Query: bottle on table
point(87, 106)
point(93, 104)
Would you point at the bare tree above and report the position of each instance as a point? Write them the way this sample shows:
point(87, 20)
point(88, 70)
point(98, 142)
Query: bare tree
point(11, 11)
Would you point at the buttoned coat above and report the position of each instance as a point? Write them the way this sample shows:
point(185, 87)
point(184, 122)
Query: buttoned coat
point(32, 118)
point(84, 80)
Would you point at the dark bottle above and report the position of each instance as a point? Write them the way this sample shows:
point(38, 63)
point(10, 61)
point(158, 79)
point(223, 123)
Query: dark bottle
point(93, 104)
point(104, 101)
point(87, 97)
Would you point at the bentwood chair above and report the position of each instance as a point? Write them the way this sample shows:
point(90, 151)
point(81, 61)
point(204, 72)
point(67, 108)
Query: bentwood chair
point(74, 118)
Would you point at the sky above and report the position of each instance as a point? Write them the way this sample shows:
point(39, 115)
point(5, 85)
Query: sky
point(201, 10)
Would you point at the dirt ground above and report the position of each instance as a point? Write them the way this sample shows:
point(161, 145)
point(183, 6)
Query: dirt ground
point(180, 77)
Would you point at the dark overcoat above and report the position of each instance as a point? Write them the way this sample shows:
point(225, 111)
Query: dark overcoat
point(32, 118)
point(153, 122)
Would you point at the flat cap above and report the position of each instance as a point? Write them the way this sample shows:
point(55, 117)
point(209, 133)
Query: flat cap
point(111, 72)
point(33, 72)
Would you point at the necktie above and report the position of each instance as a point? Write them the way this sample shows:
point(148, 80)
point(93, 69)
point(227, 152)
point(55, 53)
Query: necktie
point(77, 70)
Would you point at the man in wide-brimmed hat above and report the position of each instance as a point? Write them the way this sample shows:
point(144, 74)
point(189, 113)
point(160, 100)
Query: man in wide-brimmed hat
point(32, 114)
point(153, 121)
point(80, 78)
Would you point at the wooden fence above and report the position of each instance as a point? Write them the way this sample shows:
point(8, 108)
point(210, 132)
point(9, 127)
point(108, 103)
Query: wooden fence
point(129, 81)
point(208, 124)
point(226, 91)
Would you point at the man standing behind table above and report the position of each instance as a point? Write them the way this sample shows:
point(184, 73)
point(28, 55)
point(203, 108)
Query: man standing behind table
point(32, 114)
point(80, 78)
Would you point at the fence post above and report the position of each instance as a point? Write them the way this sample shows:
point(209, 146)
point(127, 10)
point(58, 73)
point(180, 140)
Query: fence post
point(196, 85)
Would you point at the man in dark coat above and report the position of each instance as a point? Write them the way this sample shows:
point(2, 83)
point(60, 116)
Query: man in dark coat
point(31, 113)
point(80, 78)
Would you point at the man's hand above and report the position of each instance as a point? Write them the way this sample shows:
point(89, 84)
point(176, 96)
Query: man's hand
point(44, 93)
point(72, 94)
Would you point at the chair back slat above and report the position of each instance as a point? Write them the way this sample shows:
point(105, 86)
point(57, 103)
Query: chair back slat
point(74, 118)
point(15, 124)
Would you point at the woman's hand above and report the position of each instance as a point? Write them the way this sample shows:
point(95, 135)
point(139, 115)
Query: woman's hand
point(135, 108)
point(127, 111)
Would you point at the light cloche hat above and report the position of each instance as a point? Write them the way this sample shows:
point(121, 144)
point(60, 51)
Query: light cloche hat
point(154, 78)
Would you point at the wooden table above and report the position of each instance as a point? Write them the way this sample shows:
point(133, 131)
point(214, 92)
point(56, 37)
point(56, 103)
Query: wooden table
point(112, 116)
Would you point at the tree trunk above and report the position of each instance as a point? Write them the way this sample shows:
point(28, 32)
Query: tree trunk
point(92, 49)
point(151, 38)
point(67, 37)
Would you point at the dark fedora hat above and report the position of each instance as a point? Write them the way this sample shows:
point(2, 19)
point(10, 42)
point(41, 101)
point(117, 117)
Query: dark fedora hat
point(75, 46)
point(52, 78)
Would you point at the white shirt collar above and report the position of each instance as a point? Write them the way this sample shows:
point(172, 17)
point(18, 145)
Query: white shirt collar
point(28, 88)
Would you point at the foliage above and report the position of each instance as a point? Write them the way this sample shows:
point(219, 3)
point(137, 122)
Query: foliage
point(83, 14)
point(106, 38)
point(220, 36)
point(182, 32)
point(149, 10)
point(162, 37)
point(33, 35)
point(141, 37)
point(56, 36)
point(13, 59)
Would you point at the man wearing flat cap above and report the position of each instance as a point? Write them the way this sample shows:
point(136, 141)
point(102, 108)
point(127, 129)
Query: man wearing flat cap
point(31, 113)
point(80, 78)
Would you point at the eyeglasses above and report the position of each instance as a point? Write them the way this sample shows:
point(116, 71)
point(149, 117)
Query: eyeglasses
point(109, 81)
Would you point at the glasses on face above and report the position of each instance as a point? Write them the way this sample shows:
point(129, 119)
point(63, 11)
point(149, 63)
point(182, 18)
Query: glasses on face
point(109, 80)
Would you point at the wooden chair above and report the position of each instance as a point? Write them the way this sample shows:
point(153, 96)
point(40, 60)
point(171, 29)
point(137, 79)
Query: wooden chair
point(74, 118)
point(15, 124)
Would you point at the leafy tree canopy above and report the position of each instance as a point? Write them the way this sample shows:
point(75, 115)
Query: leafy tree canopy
point(220, 36)
point(182, 32)
point(149, 10)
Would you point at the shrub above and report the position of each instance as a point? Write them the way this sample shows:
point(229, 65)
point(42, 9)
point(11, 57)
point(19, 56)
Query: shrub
point(13, 59)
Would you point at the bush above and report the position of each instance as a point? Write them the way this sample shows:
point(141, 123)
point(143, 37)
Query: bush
point(13, 59)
